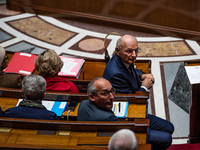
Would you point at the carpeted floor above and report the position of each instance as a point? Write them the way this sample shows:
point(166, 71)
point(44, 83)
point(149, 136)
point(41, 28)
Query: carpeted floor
point(185, 147)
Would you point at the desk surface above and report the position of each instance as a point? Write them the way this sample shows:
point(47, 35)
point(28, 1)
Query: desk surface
point(63, 133)
point(60, 139)
point(50, 133)
point(134, 110)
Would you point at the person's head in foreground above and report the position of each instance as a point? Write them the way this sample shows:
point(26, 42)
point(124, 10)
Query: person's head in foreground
point(3, 59)
point(48, 63)
point(101, 92)
point(127, 49)
point(123, 139)
point(34, 87)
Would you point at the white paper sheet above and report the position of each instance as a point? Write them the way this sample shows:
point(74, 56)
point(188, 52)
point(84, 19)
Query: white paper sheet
point(193, 73)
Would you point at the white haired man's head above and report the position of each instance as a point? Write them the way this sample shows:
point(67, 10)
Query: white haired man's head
point(123, 139)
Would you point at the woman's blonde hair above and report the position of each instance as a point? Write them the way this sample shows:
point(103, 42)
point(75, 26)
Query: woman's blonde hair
point(48, 63)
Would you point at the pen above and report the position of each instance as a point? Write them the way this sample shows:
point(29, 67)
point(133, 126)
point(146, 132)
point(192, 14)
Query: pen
point(119, 105)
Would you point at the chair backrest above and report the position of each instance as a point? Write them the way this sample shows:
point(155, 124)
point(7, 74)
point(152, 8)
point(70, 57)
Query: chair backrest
point(138, 97)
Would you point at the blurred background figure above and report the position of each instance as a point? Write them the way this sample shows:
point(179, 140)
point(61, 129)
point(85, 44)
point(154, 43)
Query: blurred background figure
point(8, 80)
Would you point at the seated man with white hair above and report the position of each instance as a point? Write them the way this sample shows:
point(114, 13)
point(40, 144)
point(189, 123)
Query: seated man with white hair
point(123, 139)
point(33, 88)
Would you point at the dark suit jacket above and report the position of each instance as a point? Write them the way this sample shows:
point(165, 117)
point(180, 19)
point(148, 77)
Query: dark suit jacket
point(88, 111)
point(121, 79)
point(30, 113)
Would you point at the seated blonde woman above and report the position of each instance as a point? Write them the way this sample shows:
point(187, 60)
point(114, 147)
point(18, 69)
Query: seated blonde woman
point(8, 80)
point(49, 65)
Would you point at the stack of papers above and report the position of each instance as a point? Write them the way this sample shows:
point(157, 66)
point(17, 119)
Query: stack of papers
point(120, 109)
point(193, 73)
point(71, 68)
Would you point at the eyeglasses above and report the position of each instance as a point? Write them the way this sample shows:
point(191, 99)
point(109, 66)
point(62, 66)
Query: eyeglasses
point(130, 51)
point(107, 93)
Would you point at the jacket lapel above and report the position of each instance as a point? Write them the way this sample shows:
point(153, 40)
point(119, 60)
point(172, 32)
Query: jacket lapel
point(134, 81)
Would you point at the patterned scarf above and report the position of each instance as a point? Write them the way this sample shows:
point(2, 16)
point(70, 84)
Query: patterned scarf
point(32, 103)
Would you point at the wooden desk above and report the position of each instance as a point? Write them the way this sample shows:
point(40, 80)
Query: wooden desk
point(36, 147)
point(65, 134)
point(137, 102)
point(194, 136)
point(19, 137)
point(94, 68)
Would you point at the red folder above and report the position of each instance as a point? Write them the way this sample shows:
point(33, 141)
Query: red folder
point(21, 63)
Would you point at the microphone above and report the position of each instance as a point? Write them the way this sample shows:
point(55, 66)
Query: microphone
point(107, 57)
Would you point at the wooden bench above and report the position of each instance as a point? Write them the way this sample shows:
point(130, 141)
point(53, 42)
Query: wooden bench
point(59, 134)
point(137, 102)
point(94, 68)
point(9, 98)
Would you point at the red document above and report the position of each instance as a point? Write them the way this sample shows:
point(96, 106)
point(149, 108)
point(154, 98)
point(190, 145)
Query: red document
point(21, 63)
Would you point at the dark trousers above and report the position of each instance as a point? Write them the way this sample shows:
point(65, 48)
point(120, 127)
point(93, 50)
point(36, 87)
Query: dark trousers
point(159, 133)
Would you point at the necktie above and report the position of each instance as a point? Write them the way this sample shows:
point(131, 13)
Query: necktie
point(131, 71)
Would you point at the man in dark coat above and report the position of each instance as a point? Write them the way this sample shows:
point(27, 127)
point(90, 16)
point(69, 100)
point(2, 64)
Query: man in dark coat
point(98, 107)
point(123, 76)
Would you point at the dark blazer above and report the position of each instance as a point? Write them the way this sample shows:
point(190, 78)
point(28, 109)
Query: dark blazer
point(120, 77)
point(88, 111)
point(30, 113)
